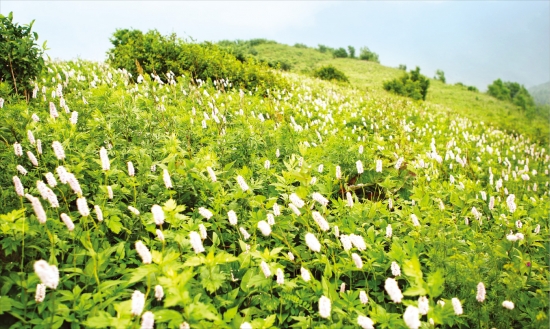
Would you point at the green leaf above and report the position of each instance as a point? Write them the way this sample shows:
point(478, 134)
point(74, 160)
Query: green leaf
point(412, 269)
point(415, 291)
point(436, 283)
point(5, 304)
point(102, 320)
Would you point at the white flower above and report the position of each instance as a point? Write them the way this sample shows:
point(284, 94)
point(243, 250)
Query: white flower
point(346, 242)
point(338, 173)
point(291, 256)
point(18, 186)
point(510, 201)
point(245, 234)
point(324, 307)
point(508, 304)
point(68, 222)
point(363, 297)
point(280, 276)
point(399, 163)
point(294, 209)
point(480, 297)
point(358, 242)
point(343, 287)
point(265, 269)
point(393, 290)
point(211, 173)
point(491, 202)
point(48, 274)
point(159, 292)
point(457, 306)
point(321, 221)
point(38, 209)
point(160, 235)
point(305, 274)
point(389, 231)
point(320, 168)
point(245, 325)
point(267, 164)
point(35, 117)
point(58, 150)
point(264, 227)
point(295, 199)
point(39, 146)
point(242, 183)
point(158, 214)
point(232, 217)
point(520, 236)
point(166, 179)
point(365, 322)
point(110, 194)
point(196, 242)
point(359, 166)
point(21, 170)
point(50, 178)
point(40, 293)
point(32, 158)
point(277, 153)
point(378, 165)
point(276, 209)
point(476, 213)
point(148, 320)
point(336, 231)
point(395, 270)
point(357, 260)
point(143, 252)
point(537, 229)
point(18, 150)
point(519, 224)
point(131, 170)
point(423, 305)
point(74, 118)
point(415, 220)
point(412, 317)
point(98, 213)
point(349, 199)
point(512, 237)
point(138, 302)
point(134, 210)
point(312, 242)
point(390, 203)
point(270, 219)
point(205, 213)
point(319, 198)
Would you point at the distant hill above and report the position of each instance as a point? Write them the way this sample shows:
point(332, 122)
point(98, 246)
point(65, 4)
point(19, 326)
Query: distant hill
point(541, 93)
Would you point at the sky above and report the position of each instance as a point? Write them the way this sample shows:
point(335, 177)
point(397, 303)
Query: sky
point(473, 42)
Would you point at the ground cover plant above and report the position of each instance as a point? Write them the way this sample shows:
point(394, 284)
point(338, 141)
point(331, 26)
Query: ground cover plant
point(133, 201)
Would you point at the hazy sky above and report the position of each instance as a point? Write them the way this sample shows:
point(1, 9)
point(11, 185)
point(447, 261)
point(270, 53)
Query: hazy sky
point(474, 42)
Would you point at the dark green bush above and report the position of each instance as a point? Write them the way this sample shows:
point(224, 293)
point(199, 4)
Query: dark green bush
point(473, 88)
point(20, 57)
point(340, 53)
point(440, 75)
point(351, 51)
point(330, 73)
point(413, 85)
point(280, 65)
point(367, 55)
point(512, 92)
point(402, 67)
point(155, 53)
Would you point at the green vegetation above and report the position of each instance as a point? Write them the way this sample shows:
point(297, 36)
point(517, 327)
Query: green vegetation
point(20, 57)
point(413, 85)
point(330, 73)
point(541, 93)
point(512, 92)
point(367, 55)
point(440, 75)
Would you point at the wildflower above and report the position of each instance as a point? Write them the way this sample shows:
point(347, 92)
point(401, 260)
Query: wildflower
point(202, 231)
point(520, 236)
point(321, 221)
point(153, 168)
point(242, 183)
point(68, 222)
point(245, 325)
point(510, 201)
point(98, 213)
point(294, 209)
point(324, 307)
point(319, 198)
point(110, 194)
point(312, 242)
point(51, 179)
point(338, 173)
point(441, 302)
point(160, 235)
point(276, 210)
point(270, 219)
point(537, 229)
point(411, 317)
point(205, 213)
point(389, 231)
point(390, 203)
point(365, 322)
point(358, 242)
point(336, 231)
point(35, 117)
point(393, 290)
point(39, 146)
point(305, 274)
point(196, 242)
point(48, 274)
point(267, 164)
point(232, 217)
point(18, 186)
point(320, 168)
point(159, 292)
point(346, 242)
point(143, 252)
point(378, 165)
point(131, 171)
point(138, 302)
point(211, 173)
point(395, 270)
point(30, 136)
point(512, 237)
point(264, 227)
point(423, 305)
point(491, 202)
point(277, 153)
point(295, 199)
point(40, 293)
point(476, 213)
point(265, 269)
point(17, 149)
point(415, 220)
point(357, 260)
point(349, 199)
point(519, 224)
point(480, 297)
point(166, 179)
point(452, 179)
point(363, 297)
point(359, 166)
point(457, 306)
point(38, 209)
point(343, 288)
point(148, 320)
point(508, 304)
point(399, 163)
point(245, 234)
point(483, 195)
point(280, 276)
point(58, 150)
point(290, 256)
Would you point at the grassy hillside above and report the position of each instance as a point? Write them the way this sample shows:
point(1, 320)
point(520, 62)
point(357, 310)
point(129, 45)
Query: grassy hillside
point(541, 93)
point(455, 99)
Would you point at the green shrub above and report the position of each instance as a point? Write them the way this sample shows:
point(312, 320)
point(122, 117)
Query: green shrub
point(340, 53)
point(20, 57)
point(402, 67)
point(300, 45)
point(473, 88)
point(154, 53)
point(512, 92)
point(440, 75)
point(325, 49)
point(367, 55)
point(351, 51)
point(413, 85)
point(330, 73)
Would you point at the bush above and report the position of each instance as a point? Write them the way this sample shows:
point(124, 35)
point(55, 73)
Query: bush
point(440, 75)
point(473, 88)
point(159, 54)
point(330, 73)
point(20, 57)
point(340, 53)
point(413, 85)
point(325, 49)
point(351, 51)
point(368, 55)
point(300, 45)
point(512, 92)
point(280, 65)
point(402, 67)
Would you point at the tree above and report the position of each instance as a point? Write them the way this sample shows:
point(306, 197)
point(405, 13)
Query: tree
point(413, 85)
point(330, 73)
point(340, 53)
point(440, 75)
point(21, 58)
point(367, 55)
point(511, 92)
point(351, 51)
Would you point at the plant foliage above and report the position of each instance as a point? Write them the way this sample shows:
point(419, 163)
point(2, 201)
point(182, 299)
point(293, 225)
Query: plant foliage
point(512, 92)
point(413, 85)
point(330, 73)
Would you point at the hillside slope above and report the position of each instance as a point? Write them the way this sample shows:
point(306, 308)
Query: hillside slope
point(453, 98)
point(541, 93)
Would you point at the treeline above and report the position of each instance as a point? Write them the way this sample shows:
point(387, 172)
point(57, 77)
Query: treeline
point(518, 95)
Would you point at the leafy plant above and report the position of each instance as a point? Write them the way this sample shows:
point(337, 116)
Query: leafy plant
point(340, 53)
point(329, 73)
point(440, 75)
point(413, 85)
point(367, 55)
